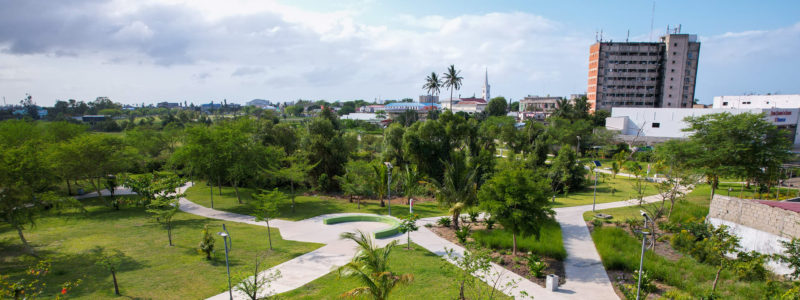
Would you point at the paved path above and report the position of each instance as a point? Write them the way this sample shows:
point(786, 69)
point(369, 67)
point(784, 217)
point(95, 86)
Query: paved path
point(586, 277)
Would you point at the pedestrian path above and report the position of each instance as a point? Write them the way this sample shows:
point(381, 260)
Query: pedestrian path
point(586, 277)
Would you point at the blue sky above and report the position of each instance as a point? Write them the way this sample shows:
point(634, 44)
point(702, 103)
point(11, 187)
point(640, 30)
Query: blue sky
point(202, 50)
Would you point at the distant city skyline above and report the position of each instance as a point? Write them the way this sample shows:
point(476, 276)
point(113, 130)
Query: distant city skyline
point(203, 50)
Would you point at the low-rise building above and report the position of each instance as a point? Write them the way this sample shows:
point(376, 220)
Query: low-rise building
point(399, 107)
point(371, 108)
point(428, 99)
point(758, 101)
point(168, 105)
point(653, 125)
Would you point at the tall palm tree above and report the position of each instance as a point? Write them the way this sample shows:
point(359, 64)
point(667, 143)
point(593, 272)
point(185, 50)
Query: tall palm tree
point(371, 267)
point(458, 188)
point(432, 84)
point(452, 81)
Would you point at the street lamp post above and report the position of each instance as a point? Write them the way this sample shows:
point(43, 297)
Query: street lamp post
point(389, 185)
point(227, 265)
point(641, 258)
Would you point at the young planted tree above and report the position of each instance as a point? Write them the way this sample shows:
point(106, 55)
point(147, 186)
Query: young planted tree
point(166, 204)
point(207, 243)
point(356, 181)
point(370, 267)
point(791, 256)
point(296, 169)
point(111, 261)
point(265, 206)
point(257, 286)
point(411, 182)
point(719, 245)
point(407, 225)
point(516, 198)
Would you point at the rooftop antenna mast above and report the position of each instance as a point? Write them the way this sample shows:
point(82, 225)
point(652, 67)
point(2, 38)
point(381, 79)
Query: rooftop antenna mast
point(628, 36)
point(652, 18)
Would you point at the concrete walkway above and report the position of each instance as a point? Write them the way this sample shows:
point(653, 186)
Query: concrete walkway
point(586, 277)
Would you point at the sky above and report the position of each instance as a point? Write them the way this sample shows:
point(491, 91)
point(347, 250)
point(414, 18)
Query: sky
point(198, 51)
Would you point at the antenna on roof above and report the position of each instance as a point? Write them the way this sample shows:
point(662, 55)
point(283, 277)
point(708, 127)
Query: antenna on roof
point(652, 18)
point(628, 36)
point(601, 35)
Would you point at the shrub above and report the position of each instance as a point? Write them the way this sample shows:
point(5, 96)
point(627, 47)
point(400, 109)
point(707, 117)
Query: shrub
point(750, 266)
point(428, 225)
point(473, 215)
point(675, 294)
point(535, 265)
point(490, 223)
point(597, 223)
point(550, 241)
point(647, 282)
point(683, 241)
point(463, 233)
point(444, 221)
point(207, 242)
point(629, 291)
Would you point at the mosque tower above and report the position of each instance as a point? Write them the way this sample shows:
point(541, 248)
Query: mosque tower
point(486, 95)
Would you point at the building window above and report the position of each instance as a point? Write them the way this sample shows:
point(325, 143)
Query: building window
point(671, 78)
point(670, 95)
point(670, 87)
point(656, 125)
point(724, 103)
point(673, 62)
point(673, 70)
point(675, 44)
point(674, 53)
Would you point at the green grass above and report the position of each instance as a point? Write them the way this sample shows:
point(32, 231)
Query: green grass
point(433, 279)
point(620, 251)
point(155, 270)
point(550, 242)
point(623, 190)
point(306, 206)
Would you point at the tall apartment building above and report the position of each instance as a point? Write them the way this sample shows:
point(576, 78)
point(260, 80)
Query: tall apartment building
point(637, 74)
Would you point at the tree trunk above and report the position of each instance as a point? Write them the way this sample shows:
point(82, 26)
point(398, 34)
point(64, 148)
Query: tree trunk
point(219, 186)
point(116, 287)
point(269, 235)
point(514, 244)
point(211, 189)
point(716, 278)
point(455, 220)
point(27, 246)
point(359, 202)
point(169, 232)
point(382, 204)
point(672, 204)
point(408, 243)
point(461, 287)
point(69, 188)
point(291, 183)
point(236, 188)
point(713, 189)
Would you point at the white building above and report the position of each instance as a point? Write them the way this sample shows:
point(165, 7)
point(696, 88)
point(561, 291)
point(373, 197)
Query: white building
point(656, 124)
point(757, 101)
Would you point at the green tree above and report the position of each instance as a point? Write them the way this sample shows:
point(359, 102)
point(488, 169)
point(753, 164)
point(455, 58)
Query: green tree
point(458, 189)
point(408, 225)
point(100, 155)
point(295, 169)
point(327, 146)
point(110, 261)
point(257, 286)
point(411, 183)
point(207, 243)
point(356, 180)
point(565, 173)
point(166, 204)
point(719, 245)
point(265, 206)
point(393, 145)
point(497, 107)
point(380, 180)
point(452, 81)
point(428, 145)
point(791, 256)
point(516, 197)
point(370, 267)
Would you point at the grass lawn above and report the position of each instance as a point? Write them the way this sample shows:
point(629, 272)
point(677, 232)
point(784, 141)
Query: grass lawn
point(433, 279)
point(154, 270)
point(550, 243)
point(306, 206)
point(623, 190)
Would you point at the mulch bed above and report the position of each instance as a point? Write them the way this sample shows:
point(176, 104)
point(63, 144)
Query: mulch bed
point(508, 261)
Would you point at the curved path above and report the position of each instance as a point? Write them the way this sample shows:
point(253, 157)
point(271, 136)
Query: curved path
point(586, 277)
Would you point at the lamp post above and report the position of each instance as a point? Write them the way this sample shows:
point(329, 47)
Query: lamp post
point(594, 200)
point(227, 265)
point(641, 258)
point(389, 185)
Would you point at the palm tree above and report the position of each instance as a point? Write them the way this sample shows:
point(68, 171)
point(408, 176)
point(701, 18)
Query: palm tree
point(432, 84)
point(370, 266)
point(563, 108)
point(452, 81)
point(458, 189)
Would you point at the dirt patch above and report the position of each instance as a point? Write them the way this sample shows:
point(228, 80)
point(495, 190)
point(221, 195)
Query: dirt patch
point(504, 258)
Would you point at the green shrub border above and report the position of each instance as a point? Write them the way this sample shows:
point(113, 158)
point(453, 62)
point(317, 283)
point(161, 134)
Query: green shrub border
point(391, 231)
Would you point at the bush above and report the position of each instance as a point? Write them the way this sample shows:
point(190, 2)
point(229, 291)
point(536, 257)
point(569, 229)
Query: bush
point(490, 223)
point(750, 266)
point(550, 242)
point(444, 221)
point(647, 282)
point(463, 233)
point(535, 265)
point(683, 241)
point(473, 216)
point(597, 223)
point(629, 291)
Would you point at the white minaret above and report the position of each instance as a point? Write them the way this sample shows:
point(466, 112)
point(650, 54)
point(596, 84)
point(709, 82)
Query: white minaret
point(486, 87)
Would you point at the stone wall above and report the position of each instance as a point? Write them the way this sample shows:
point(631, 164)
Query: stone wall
point(777, 221)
